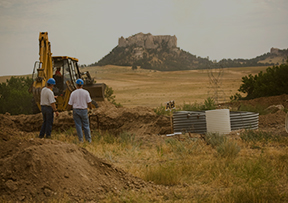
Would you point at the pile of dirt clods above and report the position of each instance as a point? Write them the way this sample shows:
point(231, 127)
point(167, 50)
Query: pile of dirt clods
point(139, 120)
point(41, 169)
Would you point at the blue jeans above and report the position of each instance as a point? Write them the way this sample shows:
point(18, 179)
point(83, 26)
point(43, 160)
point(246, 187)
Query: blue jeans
point(48, 117)
point(80, 117)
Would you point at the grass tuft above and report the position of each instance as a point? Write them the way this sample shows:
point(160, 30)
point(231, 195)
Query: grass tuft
point(214, 139)
point(228, 149)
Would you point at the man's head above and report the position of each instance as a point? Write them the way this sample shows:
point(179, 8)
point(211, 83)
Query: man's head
point(51, 82)
point(80, 82)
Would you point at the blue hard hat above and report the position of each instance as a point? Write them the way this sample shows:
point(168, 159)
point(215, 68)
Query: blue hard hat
point(51, 81)
point(80, 82)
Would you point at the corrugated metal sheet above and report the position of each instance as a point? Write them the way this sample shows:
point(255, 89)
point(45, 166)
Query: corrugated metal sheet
point(195, 121)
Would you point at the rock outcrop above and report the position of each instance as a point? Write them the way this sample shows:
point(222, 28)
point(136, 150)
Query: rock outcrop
point(148, 41)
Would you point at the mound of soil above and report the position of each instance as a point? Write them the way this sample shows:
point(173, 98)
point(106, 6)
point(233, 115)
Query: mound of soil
point(138, 120)
point(39, 169)
point(264, 101)
point(274, 121)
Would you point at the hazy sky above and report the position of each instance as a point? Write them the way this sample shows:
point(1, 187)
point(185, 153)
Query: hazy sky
point(89, 29)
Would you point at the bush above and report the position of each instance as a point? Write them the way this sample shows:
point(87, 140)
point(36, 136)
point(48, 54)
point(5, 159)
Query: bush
point(214, 139)
point(162, 111)
point(273, 82)
point(209, 104)
point(110, 97)
point(14, 96)
point(134, 67)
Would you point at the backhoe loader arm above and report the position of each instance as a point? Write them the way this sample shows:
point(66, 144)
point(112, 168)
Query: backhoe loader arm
point(44, 68)
point(45, 58)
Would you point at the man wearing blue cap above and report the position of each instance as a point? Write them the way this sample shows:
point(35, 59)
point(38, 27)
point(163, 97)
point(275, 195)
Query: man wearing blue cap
point(80, 99)
point(48, 106)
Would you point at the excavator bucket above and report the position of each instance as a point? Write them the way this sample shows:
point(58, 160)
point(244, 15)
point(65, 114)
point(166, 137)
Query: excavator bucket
point(97, 91)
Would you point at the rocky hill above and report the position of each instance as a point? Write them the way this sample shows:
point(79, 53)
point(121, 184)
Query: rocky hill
point(161, 53)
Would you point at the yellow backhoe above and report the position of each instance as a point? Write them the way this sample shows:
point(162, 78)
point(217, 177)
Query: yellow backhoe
point(65, 71)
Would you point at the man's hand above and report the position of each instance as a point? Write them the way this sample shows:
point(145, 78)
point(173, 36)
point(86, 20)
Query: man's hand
point(57, 113)
point(69, 107)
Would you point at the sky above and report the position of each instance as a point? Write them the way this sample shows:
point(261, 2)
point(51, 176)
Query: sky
point(89, 29)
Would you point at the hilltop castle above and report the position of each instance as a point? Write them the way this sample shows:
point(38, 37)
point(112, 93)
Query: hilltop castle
point(148, 41)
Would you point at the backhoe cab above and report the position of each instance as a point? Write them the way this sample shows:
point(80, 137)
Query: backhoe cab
point(65, 71)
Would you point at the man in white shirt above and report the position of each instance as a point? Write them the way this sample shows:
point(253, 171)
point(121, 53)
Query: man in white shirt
point(48, 106)
point(80, 99)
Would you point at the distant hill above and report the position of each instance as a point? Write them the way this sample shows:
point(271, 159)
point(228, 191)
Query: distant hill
point(161, 53)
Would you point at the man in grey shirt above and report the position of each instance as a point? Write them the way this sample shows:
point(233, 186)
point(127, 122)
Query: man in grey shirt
point(48, 106)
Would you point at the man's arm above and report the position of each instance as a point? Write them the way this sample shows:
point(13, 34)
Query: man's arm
point(90, 105)
point(53, 105)
point(69, 107)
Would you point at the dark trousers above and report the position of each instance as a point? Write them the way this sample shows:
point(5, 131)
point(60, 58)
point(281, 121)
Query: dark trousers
point(48, 117)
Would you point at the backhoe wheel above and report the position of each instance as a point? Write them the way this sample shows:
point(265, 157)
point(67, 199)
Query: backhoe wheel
point(94, 103)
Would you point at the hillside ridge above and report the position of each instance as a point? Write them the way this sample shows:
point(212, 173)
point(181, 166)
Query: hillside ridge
point(160, 52)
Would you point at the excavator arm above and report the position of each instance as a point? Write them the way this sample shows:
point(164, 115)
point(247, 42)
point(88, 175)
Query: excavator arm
point(43, 67)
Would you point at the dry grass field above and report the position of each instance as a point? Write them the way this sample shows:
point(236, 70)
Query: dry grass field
point(152, 88)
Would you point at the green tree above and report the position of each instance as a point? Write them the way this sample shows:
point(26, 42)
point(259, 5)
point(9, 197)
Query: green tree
point(14, 96)
point(110, 97)
point(134, 67)
point(270, 83)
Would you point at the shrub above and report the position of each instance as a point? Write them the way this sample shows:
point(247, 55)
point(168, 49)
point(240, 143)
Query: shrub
point(162, 111)
point(110, 97)
point(14, 96)
point(134, 67)
point(214, 139)
point(209, 104)
point(273, 82)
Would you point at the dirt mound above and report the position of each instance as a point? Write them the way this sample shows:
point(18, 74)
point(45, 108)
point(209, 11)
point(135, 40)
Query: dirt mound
point(138, 120)
point(38, 169)
point(264, 101)
point(274, 121)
